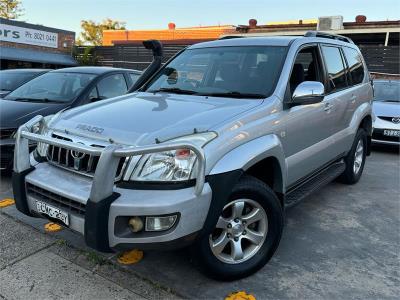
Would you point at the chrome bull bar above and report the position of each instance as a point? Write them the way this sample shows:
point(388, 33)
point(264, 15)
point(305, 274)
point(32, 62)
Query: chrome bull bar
point(103, 180)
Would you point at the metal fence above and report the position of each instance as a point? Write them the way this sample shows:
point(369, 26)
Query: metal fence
point(126, 56)
point(381, 59)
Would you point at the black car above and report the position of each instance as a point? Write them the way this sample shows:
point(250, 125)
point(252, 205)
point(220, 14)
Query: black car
point(13, 79)
point(54, 91)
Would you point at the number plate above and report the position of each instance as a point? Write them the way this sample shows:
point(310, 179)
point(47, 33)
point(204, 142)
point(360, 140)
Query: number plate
point(388, 132)
point(52, 212)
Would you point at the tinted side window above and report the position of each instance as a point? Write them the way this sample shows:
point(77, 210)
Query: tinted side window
point(335, 67)
point(355, 65)
point(306, 67)
point(112, 86)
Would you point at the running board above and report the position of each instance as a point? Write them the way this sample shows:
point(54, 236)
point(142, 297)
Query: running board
point(314, 183)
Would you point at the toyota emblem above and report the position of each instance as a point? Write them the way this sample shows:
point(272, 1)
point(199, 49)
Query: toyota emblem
point(77, 156)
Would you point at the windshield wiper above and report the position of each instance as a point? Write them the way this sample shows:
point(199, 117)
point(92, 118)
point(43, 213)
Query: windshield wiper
point(45, 100)
point(388, 100)
point(174, 91)
point(235, 94)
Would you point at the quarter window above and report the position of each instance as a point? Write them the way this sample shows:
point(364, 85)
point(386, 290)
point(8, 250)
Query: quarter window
point(335, 68)
point(134, 77)
point(355, 63)
point(112, 86)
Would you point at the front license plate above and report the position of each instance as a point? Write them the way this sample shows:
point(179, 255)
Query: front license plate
point(52, 212)
point(388, 132)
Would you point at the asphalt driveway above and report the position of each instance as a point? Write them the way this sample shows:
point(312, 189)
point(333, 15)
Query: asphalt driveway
point(342, 242)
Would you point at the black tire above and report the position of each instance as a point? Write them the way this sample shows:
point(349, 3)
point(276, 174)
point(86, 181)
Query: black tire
point(349, 176)
point(249, 188)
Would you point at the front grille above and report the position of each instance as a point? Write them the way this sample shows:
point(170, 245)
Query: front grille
point(6, 133)
point(378, 135)
point(82, 163)
point(389, 119)
point(57, 200)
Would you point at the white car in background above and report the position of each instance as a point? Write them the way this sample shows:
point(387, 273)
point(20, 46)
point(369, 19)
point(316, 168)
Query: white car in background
point(386, 108)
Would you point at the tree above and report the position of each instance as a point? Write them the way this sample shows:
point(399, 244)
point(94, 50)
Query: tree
point(92, 32)
point(86, 58)
point(10, 9)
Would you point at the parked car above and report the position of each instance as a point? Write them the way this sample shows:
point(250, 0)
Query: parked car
point(55, 91)
point(386, 108)
point(12, 79)
point(208, 151)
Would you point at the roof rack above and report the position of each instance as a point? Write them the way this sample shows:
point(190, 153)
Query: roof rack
point(326, 35)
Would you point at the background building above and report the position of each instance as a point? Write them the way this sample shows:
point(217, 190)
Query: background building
point(378, 40)
point(24, 45)
point(172, 35)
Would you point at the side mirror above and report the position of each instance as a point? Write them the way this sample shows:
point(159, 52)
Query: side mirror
point(308, 92)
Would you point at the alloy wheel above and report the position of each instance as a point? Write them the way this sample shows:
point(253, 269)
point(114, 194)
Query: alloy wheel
point(358, 157)
point(240, 231)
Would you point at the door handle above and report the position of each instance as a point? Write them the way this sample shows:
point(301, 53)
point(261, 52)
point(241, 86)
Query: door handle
point(328, 107)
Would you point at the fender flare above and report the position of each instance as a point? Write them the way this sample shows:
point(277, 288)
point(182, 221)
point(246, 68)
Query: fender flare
point(360, 113)
point(247, 155)
point(228, 170)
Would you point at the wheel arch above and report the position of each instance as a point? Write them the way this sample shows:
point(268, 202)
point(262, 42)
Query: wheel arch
point(262, 158)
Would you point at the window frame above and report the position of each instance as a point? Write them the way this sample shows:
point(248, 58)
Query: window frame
point(328, 89)
point(109, 75)
point(321, 68)
point(348, 67)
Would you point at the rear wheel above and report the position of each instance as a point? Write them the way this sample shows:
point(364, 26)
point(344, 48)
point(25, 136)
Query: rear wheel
point(246, 235)
point(355, 159)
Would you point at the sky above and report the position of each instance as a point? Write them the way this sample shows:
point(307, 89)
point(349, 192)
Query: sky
point(156, 14)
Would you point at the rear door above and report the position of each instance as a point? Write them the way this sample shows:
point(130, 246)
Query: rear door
point(339, 98)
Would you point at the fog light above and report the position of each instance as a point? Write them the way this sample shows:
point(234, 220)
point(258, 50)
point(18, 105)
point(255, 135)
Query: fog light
point(135, 224)
point(160, 223)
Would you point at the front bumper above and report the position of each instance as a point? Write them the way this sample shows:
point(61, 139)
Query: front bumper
point(379, 138)
point(106, 206)
point(192, 209)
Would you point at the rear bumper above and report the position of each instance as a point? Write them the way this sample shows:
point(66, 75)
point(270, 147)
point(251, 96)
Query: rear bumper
point(104, 223)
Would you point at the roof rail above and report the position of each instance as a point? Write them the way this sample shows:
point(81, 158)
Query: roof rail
point(326, 35)
point(228, 37)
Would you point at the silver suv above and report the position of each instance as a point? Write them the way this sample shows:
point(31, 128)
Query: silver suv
point(209, 150)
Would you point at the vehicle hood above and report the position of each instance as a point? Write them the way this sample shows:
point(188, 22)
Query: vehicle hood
point(15, 113)
point(141, 118)
point(386, 109)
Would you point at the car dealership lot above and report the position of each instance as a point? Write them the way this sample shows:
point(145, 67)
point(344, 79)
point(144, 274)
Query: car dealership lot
point(343, 241)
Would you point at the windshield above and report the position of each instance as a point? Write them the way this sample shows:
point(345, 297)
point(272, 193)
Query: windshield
point(53, 86)
point(387, 91)
point(241, 72)
point(9, 81)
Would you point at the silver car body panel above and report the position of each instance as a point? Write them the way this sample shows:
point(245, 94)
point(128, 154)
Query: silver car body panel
point(301, 138)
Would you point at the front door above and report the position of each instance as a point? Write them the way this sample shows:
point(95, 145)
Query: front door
point(308, 126)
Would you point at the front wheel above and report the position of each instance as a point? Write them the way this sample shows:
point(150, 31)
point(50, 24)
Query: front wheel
point(355, 159)
point(246, 235)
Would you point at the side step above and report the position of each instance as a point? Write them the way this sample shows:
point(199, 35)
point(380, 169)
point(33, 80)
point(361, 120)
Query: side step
point(314, 183)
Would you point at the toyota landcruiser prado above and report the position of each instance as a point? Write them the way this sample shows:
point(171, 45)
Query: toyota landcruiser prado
point(207, 150)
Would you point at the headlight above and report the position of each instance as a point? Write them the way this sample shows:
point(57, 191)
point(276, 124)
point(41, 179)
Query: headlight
point(171, 166)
